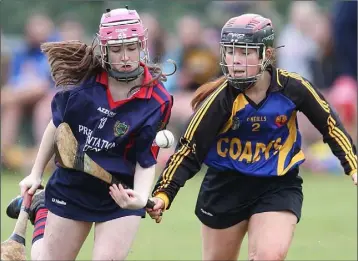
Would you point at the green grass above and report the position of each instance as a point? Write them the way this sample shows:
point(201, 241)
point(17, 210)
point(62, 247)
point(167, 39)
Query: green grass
point(327, 231)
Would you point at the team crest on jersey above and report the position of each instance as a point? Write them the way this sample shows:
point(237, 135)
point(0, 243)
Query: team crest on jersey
point(235, 123)
point(281, 120)
point(120, 128)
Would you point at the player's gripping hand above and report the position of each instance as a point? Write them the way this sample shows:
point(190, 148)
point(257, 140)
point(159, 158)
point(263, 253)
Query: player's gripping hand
point(127, 198)
point(157, 211)
point(30, 183)
point(354, 178)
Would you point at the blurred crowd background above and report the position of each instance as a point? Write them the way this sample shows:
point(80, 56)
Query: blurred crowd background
point(319, 38)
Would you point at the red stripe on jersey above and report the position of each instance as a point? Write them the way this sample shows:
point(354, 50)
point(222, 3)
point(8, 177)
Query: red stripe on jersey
point(129, 145)
point(160, 100)
point(142, 93)
point(166, 93)
point(155, 151)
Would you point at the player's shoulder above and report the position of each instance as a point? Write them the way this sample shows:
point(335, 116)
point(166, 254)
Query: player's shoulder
point(70, 91)
point(286, 79)
point(160, 94)
point(292, 85)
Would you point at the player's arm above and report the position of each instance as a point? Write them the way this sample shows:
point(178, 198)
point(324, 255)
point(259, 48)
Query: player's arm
point(147, 152)
point(46, 150)
point(193, 146)
point(143, 181)
point(312, 103)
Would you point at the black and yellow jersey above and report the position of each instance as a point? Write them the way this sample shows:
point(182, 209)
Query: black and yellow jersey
point(230, 132)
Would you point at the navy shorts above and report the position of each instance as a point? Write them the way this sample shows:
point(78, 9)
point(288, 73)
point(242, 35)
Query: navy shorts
point(227, 198)
point(78, 196)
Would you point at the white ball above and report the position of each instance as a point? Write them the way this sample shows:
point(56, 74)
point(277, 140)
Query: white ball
point(164, 139)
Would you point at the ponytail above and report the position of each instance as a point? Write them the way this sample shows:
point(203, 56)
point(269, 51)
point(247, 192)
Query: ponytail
point(71, 61)
point(205, 90)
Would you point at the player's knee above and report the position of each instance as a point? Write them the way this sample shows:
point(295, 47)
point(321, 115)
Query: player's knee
point(267, 254)
point(219, 256)
point(220, 253)
point(110, 255)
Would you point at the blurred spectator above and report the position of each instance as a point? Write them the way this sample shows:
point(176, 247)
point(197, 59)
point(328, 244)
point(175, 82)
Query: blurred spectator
point(299, 47)
point(156, 41)
point(71, 29)
point(195, 61)
point(324, 66)
point(344, 26)
point(196, 64)
point(28, 89)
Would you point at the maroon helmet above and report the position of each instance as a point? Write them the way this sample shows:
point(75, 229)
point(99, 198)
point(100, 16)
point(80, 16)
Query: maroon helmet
point(246, 31)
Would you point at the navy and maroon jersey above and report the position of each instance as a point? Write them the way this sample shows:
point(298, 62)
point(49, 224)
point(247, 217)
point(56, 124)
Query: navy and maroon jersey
point(116, 135)
point(231, 133)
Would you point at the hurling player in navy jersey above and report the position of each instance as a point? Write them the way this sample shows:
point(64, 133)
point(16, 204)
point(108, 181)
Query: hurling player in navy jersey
point(115, 104)
point(245, 130)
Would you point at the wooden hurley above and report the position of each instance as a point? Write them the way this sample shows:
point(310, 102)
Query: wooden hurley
point(69, 155)
point(14, 247)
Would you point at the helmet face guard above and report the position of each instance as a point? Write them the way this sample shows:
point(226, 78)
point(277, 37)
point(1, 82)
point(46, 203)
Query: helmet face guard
point(121, 27)
point(248, 31)
point(246, 81)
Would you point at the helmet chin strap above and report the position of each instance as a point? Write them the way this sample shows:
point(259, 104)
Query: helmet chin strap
point(126, 76)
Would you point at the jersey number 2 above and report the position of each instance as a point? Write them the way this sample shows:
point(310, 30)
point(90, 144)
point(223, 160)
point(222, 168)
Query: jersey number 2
point(256, 127)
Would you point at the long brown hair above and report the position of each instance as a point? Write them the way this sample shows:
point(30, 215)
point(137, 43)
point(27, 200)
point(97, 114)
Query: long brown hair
point(205, 90)
point(73, 61)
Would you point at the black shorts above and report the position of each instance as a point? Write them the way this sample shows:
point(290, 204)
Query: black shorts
point(227, 198)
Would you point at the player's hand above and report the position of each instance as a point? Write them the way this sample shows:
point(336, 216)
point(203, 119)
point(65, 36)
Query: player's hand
point(354, 178)
point(157, 211)
point(30, 184)
point(127, 198)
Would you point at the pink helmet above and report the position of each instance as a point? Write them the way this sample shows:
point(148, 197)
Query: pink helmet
point(122, 26)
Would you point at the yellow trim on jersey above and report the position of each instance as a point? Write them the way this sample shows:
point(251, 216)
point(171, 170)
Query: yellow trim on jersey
point(309, 87)
point(163, 197)
point(278, 77)
point(287, 147)
point(337, 134)
point(354, 171)
point(188, 135)
point(343, 142)
point(176, 159)
point(239, 103)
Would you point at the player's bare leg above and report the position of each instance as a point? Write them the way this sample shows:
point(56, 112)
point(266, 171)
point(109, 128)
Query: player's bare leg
point(113, 239)
point(222, 244)
point(36, 249)
point(63, 238)
point(270, 235)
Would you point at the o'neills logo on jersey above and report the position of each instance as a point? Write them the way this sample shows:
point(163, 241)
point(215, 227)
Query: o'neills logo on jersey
point(120, 128)
point(106, 111)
